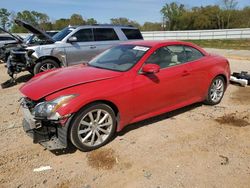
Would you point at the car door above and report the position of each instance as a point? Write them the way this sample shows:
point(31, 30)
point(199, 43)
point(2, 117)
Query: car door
point(199, 69)
point(104, 38)
point(81, 50)
point(168, 88)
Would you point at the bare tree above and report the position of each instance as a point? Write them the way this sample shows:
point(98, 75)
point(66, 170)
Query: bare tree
point(229, 6)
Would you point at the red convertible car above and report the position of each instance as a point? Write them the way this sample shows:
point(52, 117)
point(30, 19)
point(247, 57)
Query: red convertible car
point(88, 103)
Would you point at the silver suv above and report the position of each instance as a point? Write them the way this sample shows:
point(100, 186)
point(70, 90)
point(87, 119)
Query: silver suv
point(75, 44)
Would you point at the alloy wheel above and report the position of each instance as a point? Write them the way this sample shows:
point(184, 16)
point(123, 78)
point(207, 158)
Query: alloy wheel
point(47, 66)
point(95, 127)
point(217, 90)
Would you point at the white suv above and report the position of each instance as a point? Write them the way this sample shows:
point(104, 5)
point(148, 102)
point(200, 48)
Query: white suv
point(76, 44)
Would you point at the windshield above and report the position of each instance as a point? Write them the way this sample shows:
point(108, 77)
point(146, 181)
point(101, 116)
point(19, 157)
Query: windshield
point(119, 58)
point(63, 33)
point(28, 38)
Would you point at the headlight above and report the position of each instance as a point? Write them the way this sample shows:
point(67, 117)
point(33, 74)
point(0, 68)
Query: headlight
point(48, 109)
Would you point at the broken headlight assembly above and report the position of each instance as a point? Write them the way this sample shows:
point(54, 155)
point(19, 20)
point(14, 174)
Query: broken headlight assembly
point(48, 109)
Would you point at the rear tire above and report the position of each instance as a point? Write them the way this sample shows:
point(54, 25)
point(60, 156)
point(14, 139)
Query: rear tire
point(93, 127)
point(45, 65)
point(216, 91)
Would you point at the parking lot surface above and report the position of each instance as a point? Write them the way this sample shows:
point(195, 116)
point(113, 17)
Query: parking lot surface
point(196, 146)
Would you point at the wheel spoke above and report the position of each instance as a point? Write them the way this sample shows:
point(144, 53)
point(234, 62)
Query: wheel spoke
point(93, 138)
point(212, 95)
point(103, 130)
point(85, 123)
point(98, 115)
point(91, 116)
point(87, 136)
point(84, 131)
point(215, 96)
point(43, 68)
point(99, 137)
point(103, 119)
point(105, 124)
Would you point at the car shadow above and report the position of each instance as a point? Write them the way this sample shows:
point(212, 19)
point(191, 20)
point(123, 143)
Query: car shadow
point(72, 149)
point(10, 83)
point(158, 118)
point(69, 150)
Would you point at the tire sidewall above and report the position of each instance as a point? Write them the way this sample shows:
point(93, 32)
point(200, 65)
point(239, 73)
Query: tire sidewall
point(73, 131)
point(43, 62)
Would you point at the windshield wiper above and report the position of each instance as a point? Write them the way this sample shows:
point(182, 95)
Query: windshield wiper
point(102, 67)
point(96, 66)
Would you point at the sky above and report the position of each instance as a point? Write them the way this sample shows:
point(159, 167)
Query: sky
point(103, 10)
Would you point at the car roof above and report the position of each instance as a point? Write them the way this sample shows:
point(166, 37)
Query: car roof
point(158, 43)
point(102, 26)
point(152, 43)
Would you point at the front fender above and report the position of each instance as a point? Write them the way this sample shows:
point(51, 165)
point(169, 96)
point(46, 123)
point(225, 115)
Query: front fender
point(51, 50)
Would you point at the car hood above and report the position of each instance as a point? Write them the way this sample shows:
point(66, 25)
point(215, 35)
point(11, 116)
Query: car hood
point(50, 82)
point(18, 38)
point(42, 35)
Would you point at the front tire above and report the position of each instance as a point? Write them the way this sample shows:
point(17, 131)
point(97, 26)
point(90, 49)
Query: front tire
point(45, 65)
point(216, 91)
point(93, 127)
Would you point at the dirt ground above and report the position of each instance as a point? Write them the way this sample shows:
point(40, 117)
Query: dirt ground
point(196, 146)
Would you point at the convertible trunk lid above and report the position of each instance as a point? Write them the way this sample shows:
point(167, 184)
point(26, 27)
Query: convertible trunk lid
point(44, 84)
point(42, 35)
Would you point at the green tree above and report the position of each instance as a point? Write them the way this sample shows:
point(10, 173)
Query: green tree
point(4, 18)
point(91, 21)
point(61, 23)
point(34, 18)
point(151, 26)
point(173, 12)
point(124, 21)
point(76, 19)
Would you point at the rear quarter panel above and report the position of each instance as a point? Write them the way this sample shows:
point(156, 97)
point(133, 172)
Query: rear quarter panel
point(206, 69)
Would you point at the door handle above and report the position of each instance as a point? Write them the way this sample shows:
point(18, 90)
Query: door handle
point(185, 73)
point(92, 47)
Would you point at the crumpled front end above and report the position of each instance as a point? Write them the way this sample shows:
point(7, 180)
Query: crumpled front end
point(50, 134)
point(19, 60)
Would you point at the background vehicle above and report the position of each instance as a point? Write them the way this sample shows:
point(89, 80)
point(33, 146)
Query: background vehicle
point(32, 39)
point(5, 39)
point(128, 83)
point(11, 42)
point(73, 45)
point(19, 44)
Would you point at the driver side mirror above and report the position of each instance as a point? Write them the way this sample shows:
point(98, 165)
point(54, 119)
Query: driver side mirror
point(150, 68)
point(72, 39)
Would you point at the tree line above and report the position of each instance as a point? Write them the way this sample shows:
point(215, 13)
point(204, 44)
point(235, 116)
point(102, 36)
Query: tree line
point(175, 16)
point(223, 16)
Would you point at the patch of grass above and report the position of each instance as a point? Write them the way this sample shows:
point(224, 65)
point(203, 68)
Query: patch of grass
point(243, 44)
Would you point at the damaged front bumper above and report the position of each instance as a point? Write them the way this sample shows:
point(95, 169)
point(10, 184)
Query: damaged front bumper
point(20, 60)
point(50, 134)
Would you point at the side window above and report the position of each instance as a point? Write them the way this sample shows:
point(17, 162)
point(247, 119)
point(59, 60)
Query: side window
point(192, 53)
point(84, 35)
point(132, 34)
point(167, 56)
point(6, 38)
point(104, 34)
